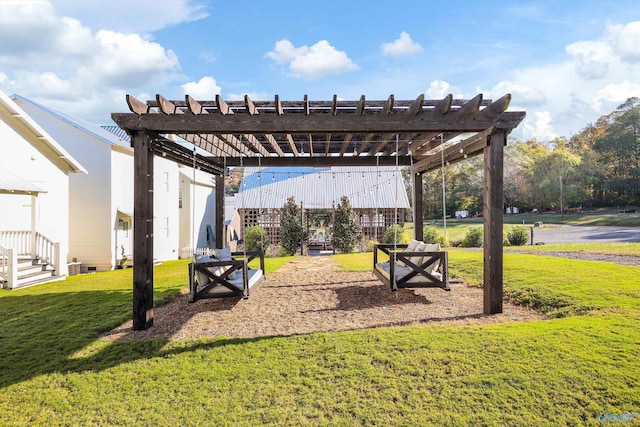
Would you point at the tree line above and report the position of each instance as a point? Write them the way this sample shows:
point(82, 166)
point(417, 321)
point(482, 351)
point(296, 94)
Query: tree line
point(598, 166)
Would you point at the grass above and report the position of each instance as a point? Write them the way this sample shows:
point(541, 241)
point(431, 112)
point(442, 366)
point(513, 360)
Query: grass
point(628, 248)
point(54, 370)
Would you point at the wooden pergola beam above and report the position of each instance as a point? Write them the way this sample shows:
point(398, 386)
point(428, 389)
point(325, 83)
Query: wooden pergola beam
point(299, 124)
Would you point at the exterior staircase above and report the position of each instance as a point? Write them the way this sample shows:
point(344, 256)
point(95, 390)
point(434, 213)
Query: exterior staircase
point(32, 272)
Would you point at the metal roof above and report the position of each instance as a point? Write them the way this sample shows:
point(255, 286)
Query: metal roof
point(12, 184)
point(322, 188)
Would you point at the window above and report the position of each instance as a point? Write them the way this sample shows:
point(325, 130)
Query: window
point(166, 180)
point(180, 199)
point(166, 225)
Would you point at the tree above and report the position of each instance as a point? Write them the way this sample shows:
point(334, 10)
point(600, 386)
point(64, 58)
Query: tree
point(291, 232)
point(347, 230)
point(256, 239)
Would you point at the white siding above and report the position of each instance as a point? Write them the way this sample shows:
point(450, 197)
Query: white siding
point(90, 216)
point(203, 203)
point(20, 158)
point(122, 199)
point(165, 210)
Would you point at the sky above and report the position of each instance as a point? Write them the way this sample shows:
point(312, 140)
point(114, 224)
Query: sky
point(565, 63)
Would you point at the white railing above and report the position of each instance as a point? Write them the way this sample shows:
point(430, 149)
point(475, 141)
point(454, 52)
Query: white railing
point(37, 246)
point(8, 267)
point(188, 252)
point(19, 241)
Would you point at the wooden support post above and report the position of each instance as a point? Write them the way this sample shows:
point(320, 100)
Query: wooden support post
point(418, 215)
point(220, 236)
point(493, 222)
point(142, 232)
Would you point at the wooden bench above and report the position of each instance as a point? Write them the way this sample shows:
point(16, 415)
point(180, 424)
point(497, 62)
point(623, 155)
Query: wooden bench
point(227, 276)
point(411, 268)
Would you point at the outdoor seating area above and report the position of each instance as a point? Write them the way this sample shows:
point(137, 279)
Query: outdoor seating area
point(418, 265)
point(225, 274)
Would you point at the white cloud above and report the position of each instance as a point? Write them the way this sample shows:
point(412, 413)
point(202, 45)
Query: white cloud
point(401, 46)
point(616, 93)
point(625, 40)
point(541, 128)
point(438, 89)
point(205, 88)
point(127, 16)
point(592, 58)
point(313, 62)
point(57, 60)
point(525, 94)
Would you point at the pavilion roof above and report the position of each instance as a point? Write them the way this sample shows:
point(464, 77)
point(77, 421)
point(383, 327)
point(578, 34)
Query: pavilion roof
point(321, 133)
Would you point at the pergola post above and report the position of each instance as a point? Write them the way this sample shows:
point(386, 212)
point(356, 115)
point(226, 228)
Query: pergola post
point(418, 217)
point(219, 230)
point(142, 231)
point(493, 222)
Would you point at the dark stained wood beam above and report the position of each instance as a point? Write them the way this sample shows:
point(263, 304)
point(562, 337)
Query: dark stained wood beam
point(471, 146)
point(444, 106)
point(251, 107)
point(301, 124)
point(388, 106)
point(142, 231)
point(383, 143)
point(220, 242)
point(470, 107)
point(345, 143)
point(274, 144)
point(416, 106)
point(496, 108)
point(365, 143)
point(418, 209)
point(137, 107)
point(292, 145)
point(306, 105)
point(493, 223)
point(361, 106)
point(334, 105)
point(223, 107)
point(318, 161)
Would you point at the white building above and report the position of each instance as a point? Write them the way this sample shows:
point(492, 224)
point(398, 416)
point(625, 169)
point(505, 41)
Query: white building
point(35, 172)
point(101, 203)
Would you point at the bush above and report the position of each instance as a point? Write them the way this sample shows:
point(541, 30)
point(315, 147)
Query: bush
point(430, 235)
point(256, 239)
point(395, 234)
point(473, 238)
point(346, 229)
point(291, 233)
point(518, 236)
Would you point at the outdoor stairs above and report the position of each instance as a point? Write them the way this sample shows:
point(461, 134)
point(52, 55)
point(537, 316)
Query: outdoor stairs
point(32, 272)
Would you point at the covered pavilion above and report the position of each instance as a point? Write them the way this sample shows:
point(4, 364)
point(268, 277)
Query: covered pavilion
point(422, 134)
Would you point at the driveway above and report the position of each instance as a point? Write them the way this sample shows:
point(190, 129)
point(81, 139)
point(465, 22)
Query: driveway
point(585, 234)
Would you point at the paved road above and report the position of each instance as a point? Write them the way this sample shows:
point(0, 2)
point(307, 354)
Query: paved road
point(585, 234)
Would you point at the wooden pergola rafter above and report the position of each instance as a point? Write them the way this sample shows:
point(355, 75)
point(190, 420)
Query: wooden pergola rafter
point(421, 133)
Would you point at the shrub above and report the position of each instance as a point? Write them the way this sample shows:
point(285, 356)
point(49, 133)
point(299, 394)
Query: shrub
point(347, 231)
point(473, 238)
point(518, 236)
point(256, 239)
point(291, 232)
point(430, 234)
point(395, 234)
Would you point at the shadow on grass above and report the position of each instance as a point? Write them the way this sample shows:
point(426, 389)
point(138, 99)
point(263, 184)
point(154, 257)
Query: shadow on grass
point(42, 334)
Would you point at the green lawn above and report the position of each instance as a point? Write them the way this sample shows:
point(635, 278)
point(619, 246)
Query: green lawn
point(54, 370)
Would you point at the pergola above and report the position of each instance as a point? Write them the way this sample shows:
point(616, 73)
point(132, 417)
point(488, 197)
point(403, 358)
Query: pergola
point(418, 133)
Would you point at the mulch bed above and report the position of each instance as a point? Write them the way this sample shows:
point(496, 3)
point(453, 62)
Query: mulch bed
point(311, 294)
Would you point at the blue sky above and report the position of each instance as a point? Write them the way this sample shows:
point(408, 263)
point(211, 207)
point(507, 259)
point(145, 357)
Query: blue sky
point(564, 62)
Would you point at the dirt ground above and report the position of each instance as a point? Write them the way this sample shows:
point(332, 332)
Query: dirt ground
point(312, 294)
